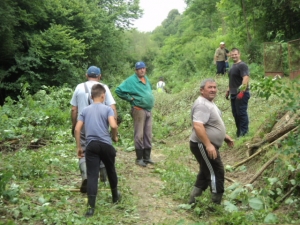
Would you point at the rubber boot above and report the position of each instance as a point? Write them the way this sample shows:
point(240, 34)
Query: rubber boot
point(116, 195)
point(216, 198)
point(139, 158)
point(146, 156)
point(196, 192)
point(91, 206)
point(82, 167)
point(103, 174)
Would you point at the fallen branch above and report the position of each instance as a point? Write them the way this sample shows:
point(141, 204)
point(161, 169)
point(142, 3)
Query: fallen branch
point(229, 179)
point(287, 194)
point(63, 189)
point(263, 148)
point(264, 168)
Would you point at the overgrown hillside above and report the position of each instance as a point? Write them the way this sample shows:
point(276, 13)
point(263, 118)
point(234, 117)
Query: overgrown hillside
point(40, 180)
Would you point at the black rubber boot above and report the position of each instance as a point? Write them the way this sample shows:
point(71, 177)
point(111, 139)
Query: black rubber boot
point(91, 206)
point(146, 156)
point(139, 158)
point(116, 195)
point(216, 198)
point(196, 192)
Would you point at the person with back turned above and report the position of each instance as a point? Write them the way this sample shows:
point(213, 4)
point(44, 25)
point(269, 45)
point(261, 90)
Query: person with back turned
point(96, 119)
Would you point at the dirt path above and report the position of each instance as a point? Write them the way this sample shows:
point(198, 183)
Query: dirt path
point(153, 207)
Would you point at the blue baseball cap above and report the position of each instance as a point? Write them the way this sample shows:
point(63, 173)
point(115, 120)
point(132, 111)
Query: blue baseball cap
point(140, 65)
point(93, 71)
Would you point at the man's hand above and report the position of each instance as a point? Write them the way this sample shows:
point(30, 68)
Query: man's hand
point(115, 139)
point(227, 95)
point(229, 141)
point(80, 153)
point(240, 95)
point(211, 151)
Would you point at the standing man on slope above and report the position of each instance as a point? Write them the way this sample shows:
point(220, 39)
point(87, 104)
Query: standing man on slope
point(239, 92)
point(81, 99)
point(207, 137)
point(219, 59)
point(137, 90)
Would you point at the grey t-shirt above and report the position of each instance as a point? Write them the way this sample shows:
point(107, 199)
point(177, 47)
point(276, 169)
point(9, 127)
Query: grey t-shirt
point(80, 97)
point(207, 113)
point(95, 119)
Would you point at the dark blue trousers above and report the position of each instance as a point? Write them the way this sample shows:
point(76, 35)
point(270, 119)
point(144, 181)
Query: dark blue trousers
point(239, 109)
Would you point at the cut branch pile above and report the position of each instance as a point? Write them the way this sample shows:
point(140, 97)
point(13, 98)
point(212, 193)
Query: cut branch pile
point(287, 125)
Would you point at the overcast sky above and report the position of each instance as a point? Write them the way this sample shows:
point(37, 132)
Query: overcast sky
point(156, 11)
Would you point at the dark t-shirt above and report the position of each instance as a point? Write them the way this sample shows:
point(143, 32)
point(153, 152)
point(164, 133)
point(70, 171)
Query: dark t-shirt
point(236, 74)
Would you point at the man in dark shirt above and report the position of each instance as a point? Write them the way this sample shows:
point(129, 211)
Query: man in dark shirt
point(239, 92)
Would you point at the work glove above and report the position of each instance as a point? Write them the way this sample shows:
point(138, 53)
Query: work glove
point(227, 95)
point(242, 90)
point(240, 95)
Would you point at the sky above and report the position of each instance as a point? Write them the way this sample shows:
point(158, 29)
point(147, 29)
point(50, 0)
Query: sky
point(156, 11)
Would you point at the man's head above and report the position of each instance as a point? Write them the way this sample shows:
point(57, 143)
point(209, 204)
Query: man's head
point(93, 72)
point(140, 69)
point(235, 55)
point(161, 78)
point(208, 89)
point(222, 44)
point(98, 91)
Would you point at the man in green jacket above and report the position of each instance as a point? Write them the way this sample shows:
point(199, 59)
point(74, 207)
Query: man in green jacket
point(137, 90)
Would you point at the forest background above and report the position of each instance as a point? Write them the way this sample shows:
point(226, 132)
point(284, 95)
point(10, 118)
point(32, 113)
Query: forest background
point(46, 47)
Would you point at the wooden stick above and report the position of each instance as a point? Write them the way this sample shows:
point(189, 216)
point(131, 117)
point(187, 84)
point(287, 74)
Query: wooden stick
point(64, 189)
point(229, 179)
point(263, 148)
point(264, 168)
point(288, 194)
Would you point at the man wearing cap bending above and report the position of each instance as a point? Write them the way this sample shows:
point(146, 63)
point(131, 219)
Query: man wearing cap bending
point(137, 90)
point(82, 98)
point(220, 58)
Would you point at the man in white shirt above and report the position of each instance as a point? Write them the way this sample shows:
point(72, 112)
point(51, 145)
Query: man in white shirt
point(160, 86)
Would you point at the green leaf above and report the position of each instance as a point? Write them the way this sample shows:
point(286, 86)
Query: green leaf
point(185, 206)
point(256, 203)
point(230, 207)
point(270, 218)
point(129, 149)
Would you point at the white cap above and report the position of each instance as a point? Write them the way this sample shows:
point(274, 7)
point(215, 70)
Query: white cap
point(222, 43)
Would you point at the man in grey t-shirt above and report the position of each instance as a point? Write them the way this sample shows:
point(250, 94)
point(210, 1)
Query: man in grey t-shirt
point(207, 136)
point(81, 99)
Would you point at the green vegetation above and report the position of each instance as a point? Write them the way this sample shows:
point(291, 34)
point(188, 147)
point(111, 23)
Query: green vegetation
point(38, 155)
point(47, 46)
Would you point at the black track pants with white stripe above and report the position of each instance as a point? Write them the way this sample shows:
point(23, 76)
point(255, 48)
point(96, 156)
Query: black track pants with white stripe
point(211, 170)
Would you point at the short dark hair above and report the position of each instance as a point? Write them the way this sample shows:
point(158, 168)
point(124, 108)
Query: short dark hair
point(97, 90)
point(203, 83)
point(235, 49)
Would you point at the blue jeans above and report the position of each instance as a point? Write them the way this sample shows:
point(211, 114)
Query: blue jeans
point(239, 111)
